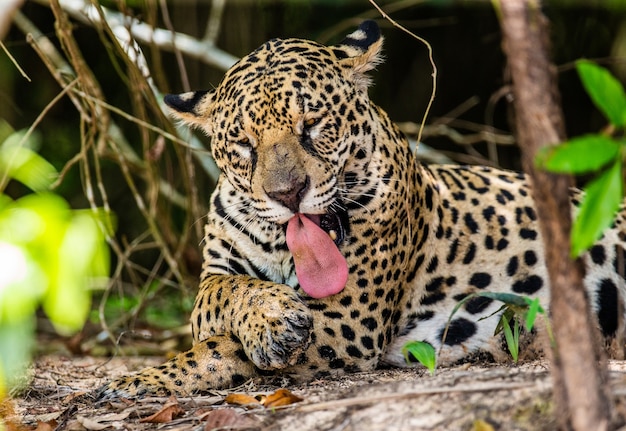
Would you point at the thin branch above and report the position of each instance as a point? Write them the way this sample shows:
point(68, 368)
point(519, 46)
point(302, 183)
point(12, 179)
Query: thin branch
point(64, 74)
point(179, 57)
point(7, 9)
point(430, 58)
point(144, 33)
point(214, 23)
point(487, 134)
point(15, 63)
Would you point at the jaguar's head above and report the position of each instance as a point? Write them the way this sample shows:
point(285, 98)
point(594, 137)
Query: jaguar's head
point(291, 127)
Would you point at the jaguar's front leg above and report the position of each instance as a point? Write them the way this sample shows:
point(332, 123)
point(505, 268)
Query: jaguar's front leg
point(239, 323)
point(215, 363)
point(271, 321)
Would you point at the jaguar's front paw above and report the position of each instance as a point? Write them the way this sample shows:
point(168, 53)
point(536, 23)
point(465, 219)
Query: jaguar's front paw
point(277, 334)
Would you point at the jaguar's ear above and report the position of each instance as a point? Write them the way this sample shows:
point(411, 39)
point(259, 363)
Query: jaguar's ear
point(191, 108)
point(360, 52)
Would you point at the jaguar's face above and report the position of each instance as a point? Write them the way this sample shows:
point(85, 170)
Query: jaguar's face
point(284, 122)
point(282, 125)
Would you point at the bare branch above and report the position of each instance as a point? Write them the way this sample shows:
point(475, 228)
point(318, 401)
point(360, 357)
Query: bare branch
point(144, 33)
point(7, 9)
point(215, 22)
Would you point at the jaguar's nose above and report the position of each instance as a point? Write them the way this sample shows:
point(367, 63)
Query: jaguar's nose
point(290, 191)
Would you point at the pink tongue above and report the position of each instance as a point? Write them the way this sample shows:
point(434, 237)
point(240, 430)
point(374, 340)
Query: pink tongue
point(321, 269)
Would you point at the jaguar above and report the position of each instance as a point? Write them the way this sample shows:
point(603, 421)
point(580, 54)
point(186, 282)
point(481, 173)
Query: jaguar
point(328, 246)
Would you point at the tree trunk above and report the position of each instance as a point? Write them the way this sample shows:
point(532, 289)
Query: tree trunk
point(579, 370)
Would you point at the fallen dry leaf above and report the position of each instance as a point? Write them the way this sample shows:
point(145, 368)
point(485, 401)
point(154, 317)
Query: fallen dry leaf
point(10, 425)
point(73, 395)
point(112, 417)
point(170, 411)
point(241, 400)
point(46, 426)
point(227, 418)
point(47, 417)
point(282, 397)
point(90, 424)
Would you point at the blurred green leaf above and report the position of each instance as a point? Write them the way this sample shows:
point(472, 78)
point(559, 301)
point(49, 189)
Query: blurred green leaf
point(5, 130)
point(422, 351)
point(81, 257)
point(602, 199)
point(22, 284)
point(21, 163)
point(15, 349)
point(605, 90)
point(579, 155)
point(48, 256)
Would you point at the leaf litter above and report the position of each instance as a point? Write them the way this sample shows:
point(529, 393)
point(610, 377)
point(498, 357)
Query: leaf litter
point(469, 397)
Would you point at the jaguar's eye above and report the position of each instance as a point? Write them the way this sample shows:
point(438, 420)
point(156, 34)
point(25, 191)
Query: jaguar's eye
point(244, 142)
point(311, 122)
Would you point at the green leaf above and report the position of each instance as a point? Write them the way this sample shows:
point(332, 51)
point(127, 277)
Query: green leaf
point(511, 336)
point(606, 92)
point(507, 298)
point(422, 351)
point(23, 164)
point(530, 302)
point(602, 199)
point(531, 314)
point(579, 155)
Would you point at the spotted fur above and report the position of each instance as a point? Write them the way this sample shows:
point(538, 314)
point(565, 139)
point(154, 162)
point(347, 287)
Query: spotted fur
point(294, 131)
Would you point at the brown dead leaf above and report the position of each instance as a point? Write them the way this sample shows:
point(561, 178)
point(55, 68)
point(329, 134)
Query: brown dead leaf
point(7, 417)
point(113, 417)
point(73, 395)
point(282, 397)
point(227, 418)
point(90, 424)
point(170, 411)
point(7, 408)
point(10, 425)
point(241, 400)
point(46, 426)
point(48, 417)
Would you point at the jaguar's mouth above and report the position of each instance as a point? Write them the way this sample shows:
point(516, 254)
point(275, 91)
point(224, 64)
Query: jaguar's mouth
point(336, 225)
point(313, 241)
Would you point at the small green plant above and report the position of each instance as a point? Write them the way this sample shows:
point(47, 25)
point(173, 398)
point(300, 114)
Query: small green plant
point(49, 256)
point(600, 155)
point(422, 351)
point(516, 309)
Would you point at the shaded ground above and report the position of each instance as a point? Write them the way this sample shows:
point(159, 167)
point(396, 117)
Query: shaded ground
point(459, 398)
